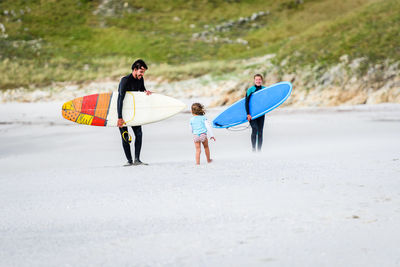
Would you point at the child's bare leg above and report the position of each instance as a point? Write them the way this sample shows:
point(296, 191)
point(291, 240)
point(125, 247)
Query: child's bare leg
point(198, 151)
point(207, 151)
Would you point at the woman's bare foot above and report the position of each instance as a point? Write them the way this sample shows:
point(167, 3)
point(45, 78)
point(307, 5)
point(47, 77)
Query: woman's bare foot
point(209, 161)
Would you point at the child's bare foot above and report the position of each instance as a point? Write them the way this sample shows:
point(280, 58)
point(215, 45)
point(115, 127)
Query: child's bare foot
point(209, 161)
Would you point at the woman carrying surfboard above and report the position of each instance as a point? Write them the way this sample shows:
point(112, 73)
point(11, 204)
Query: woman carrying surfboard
point(257, 125)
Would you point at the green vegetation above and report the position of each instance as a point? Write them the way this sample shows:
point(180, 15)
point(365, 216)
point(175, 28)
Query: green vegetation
point(45, 41)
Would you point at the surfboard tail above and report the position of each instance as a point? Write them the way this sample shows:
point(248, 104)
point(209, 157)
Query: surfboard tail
point(88, 110)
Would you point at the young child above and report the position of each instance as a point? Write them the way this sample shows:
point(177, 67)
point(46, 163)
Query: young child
point(200, 129)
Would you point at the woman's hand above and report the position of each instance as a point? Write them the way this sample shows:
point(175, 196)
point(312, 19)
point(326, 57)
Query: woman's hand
point(249, 117)
point(213, 138)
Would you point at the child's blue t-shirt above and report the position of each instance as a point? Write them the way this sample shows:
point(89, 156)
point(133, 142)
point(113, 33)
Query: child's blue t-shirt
point(198, 124)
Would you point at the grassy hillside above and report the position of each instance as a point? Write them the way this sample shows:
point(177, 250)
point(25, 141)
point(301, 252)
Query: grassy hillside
point(43, 41)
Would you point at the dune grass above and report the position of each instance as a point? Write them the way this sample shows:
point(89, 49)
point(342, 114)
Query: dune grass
point(76, 40)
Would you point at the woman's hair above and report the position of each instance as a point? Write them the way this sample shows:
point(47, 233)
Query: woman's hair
point(198, 109)
point(259, 75)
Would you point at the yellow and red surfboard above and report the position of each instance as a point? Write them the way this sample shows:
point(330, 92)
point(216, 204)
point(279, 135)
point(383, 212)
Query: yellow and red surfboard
point(138, 109)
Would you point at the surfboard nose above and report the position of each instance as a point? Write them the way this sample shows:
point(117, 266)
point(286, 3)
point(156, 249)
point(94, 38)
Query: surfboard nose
point(181, 106)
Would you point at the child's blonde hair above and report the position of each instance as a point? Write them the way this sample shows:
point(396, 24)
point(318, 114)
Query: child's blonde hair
point(198, 109)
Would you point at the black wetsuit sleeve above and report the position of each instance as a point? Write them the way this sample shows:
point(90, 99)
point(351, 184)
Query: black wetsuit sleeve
point(121, 96)
point(247, 103)
point(248, 98)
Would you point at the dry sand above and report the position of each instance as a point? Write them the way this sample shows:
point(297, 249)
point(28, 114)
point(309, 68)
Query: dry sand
point(325, 191)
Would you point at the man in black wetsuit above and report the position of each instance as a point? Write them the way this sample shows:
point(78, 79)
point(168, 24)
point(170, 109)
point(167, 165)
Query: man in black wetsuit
point(131, 82)
point(257, 125)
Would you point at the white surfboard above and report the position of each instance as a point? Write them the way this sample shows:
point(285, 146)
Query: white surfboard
point(138, 109)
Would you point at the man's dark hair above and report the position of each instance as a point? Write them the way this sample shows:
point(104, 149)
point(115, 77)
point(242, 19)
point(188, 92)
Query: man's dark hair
point(138, 64)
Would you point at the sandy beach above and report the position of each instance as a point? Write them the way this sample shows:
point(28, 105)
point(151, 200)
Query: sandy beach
point(325, 191)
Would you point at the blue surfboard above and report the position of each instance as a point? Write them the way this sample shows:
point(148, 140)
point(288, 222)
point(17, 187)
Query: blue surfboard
point(261, 102)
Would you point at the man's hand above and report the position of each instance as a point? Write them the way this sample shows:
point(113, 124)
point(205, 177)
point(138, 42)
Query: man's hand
point(213, 138)
point(120, 123)
point(249, 117)
point(148, 92)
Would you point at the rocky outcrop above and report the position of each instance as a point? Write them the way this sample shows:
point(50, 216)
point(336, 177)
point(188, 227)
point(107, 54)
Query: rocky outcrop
point(211, 34)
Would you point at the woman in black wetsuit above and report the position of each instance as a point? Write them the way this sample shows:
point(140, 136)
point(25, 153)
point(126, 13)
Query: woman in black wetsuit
point(257, 125)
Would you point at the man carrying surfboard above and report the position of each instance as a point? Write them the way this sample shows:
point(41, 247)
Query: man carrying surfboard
point(257, 125)
point(131, 82)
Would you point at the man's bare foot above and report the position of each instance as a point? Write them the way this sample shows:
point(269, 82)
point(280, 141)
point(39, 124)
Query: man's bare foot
point(209, 161)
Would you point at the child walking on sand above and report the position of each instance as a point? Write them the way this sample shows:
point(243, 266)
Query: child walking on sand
point(200, 129)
